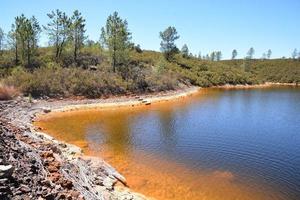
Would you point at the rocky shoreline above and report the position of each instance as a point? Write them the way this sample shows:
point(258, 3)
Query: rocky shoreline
point(34, 165)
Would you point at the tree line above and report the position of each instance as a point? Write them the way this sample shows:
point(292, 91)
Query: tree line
point(64, 30)
point(169, 48)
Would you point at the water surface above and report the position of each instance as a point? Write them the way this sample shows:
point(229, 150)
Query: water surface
point(218, 144)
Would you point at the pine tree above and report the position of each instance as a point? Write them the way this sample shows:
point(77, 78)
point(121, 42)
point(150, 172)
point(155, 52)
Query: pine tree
point(58, 30)
point(168, 47)
point(116, 37)
point(185, 51)
point(234, 54)
point(1, 40)
point(77, 33)
point(250, 53)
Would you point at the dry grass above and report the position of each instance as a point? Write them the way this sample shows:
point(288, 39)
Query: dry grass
point(8, 92)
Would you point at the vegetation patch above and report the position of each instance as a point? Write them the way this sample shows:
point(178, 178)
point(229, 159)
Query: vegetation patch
point(73, 65)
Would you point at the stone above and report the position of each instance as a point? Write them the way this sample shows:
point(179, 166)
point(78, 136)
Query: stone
point(67, 184)
point(49, 196)
point(24, 189)
point(55, 177)
point(47, 154)
point(6, 171)
point(4, 189)
point(108, 183)
point(46, 110)
point(52, 168)
point(75, 194)
point(3, 181)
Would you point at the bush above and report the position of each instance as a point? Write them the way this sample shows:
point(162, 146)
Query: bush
point(8, 92)
point(64, 82)
point(146, 71)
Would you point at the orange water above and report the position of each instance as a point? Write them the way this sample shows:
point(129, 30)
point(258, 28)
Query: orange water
point(155, 175)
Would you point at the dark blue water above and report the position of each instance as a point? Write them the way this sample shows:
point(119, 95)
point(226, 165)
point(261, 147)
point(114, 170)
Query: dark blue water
point(252, 133)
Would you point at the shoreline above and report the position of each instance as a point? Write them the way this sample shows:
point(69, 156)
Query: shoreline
point(66, 105)
point(91, 177)
point(263, 85)
point(118, 102)
point(64, 171)
point(22, 114)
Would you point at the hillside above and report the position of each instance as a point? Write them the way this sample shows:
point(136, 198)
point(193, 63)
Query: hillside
point(145, 72)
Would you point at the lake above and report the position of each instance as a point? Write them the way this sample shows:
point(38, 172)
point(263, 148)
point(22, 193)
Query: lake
point(217, 144)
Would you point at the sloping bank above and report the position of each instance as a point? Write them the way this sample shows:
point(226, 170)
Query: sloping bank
point(34, 165)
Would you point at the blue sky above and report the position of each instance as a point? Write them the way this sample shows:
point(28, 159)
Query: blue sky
point(204, 26)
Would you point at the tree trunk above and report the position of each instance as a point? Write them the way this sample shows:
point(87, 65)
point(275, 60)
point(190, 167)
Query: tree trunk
point(56, 52)
point(114, 54)
point(61, 48)
point(16, 55)
point(75, 52)
point(28, 53)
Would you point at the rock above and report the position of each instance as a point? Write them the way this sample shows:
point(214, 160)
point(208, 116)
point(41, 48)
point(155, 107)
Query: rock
point(24, 189)
point(93, 68)
point(74, 150)
point(67, 184)
point(46, 183)
point(108, 183)
point(4, 189)
point(52, 168)
point(47, 154)
point(49, 196)
point(46, 110)
point(75, 194)
point(3, 181)
point(6, 171)
point(63, 145)
point(126, 197)
point(55, 177)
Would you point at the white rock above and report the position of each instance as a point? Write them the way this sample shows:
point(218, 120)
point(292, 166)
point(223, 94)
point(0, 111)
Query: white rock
point(6, 170)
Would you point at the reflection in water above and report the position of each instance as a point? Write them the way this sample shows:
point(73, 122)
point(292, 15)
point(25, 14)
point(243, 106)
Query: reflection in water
point(220, 144)
point(166, 122)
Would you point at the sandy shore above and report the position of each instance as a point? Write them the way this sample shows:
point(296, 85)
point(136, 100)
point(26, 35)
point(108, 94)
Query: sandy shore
point(116, 102)
point(64, 105)
point(264, 85)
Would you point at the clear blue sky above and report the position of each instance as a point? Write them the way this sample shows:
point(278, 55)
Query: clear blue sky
point(204, 26)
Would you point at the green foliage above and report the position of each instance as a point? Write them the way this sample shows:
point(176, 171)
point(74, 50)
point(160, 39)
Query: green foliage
point(58, 30)
point(277, 70)
point(1, 41)
point(116, 37)
point(250, 53)
point(185, 51)
point(74, 66)
point(269, 53)
point(77, 32)
point(147, 71)
point(168, 47)
point(24, 38)
point(234, 54)
point(295, 54)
